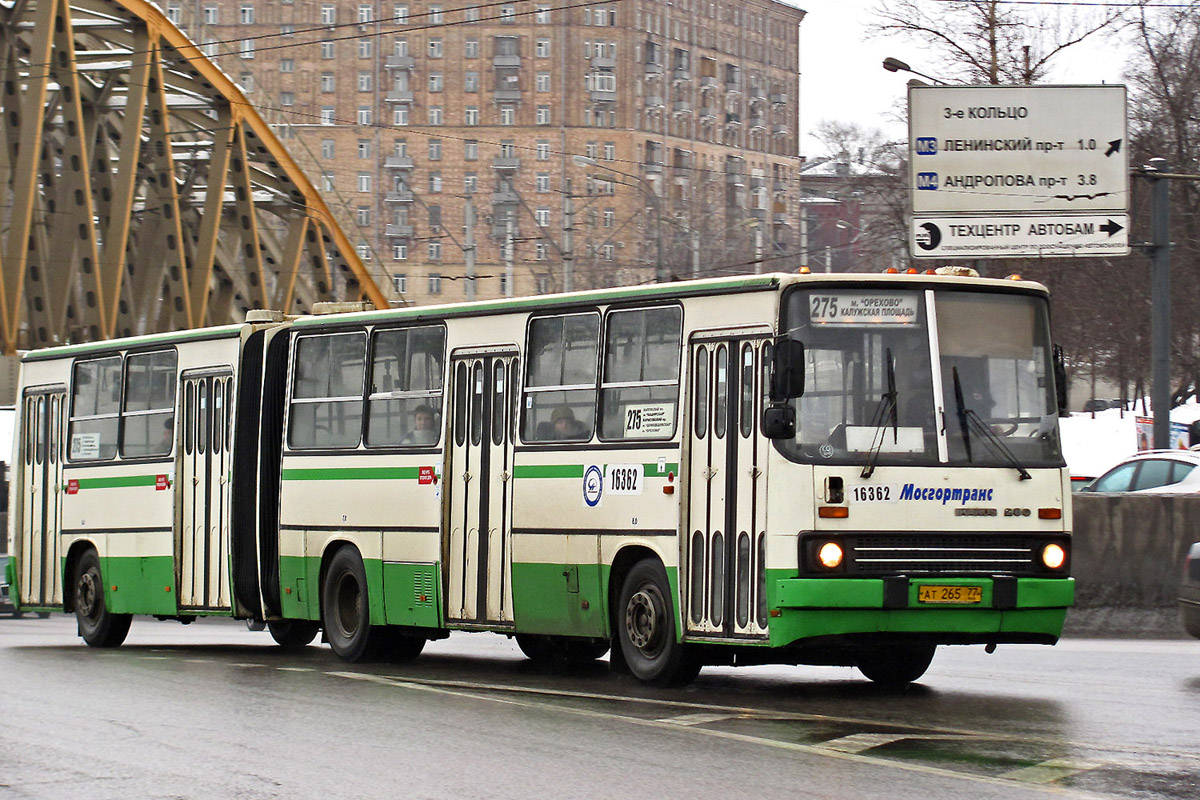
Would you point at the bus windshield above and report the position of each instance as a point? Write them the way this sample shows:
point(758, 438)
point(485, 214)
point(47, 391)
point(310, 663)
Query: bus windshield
point(923, 377)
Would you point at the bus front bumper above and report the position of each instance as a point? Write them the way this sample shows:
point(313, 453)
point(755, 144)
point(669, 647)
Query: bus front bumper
point(947, 610)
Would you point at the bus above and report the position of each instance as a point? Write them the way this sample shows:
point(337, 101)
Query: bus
point(784, 468)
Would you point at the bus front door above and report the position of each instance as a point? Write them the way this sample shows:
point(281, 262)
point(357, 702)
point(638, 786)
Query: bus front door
point(477, 548)
point(724, 551)
point(42, 433)
point(203, 485)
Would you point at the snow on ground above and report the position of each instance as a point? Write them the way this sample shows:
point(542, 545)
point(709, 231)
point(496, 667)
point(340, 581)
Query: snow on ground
point(1092, 446)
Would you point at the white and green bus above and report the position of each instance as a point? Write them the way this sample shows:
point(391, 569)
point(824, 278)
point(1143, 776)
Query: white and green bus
point(823, 469)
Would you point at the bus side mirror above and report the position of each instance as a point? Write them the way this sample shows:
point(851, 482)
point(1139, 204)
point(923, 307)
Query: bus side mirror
point(1060, 380)
point(787, 375)
point(779, 422)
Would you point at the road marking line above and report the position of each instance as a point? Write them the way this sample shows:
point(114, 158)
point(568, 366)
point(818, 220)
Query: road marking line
point(711, 732)
point(858, 742)
point(698, 719)
point(1052, 770)
point(295, 669)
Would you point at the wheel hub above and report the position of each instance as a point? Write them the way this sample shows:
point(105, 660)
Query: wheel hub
point(86, 595)
point(642, 620)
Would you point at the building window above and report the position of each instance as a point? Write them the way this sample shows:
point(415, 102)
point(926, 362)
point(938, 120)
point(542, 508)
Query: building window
point(539, 254)
point(542, 16)
point(173, 13)
point(246, 15)
point(610, 217)
point(435, 115)
point(435, 149)
point(362, 216)
point(542, 48)
point(365, 48)
point(471, 115)
point(542, 150)
point(327, 148)
point(364, 81)
point(470, 183)
point(364, 148)
point(435, 278)
point(364, 251)
point(435, 182)
point(246, 48)
point(470, 150)
point(400, 15)
point(327, 183)
point(287, 29)
point(287, 65)
point(543, 182)
point(364, 115)
point(366, 13)
point(435, 48)
point(435, 15)
point(470, 81)
point(542, 82)
point(326, 115)
point(327, 82)
point(472, 13)
point(590, 149)
point(400, 279)
point(543, 115)
point(434, 250)
point(508, 14)
point(328, 51)
point(210, 15)
point(610, 151)
point(246, 81)
point(471, 48)
point(400, 116)
point(364, 181)
point(435, 82)
point(607, 251)
point(287, 99)
point(508, 115)
point(328, 14)
point(542, 215)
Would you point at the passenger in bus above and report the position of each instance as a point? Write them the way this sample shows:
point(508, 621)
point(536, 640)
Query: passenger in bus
point(565, 424)
point(423, 430)
point(166, 438)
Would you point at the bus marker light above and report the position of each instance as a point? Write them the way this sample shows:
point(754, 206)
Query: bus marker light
point(830, 555)
point(166, 588)
point(114, 587)
point(1053, 556)
point(1049, 513)
point(668, 489)
point(833, 512)
point(775, 612)
point(287, 590)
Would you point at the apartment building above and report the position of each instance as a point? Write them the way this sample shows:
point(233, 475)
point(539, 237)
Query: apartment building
point(564, 144)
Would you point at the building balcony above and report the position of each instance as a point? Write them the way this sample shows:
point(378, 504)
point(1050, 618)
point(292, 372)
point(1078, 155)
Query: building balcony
point(652, 167)
point(758, 93)
point(681, 74)
point(782, 219)
point(779, 129)
point(654, 69)
point(780, 186)
point(398, 230)
point(707, 82)
point(779, 99)
point(683, 106)
point(654, 101)
point(603, 96)
point(733, 88)
point(505, 197)
point(500, 231)
point(506, 61)
point(603, 62)
point(733, 118)
point(399, 96)
point(759, 214)
point(398, 162)
point(400, 62)
point(758, 123)
point(506, 162)
point(506, 95)
point(708, 113)
point(400, 196)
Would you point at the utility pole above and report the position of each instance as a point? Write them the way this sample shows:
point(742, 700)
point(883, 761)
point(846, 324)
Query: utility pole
point(695, 253)
point(758, 249)
point(568, 251)
point(508, 255)
point(1160, 300)
point(469, 247)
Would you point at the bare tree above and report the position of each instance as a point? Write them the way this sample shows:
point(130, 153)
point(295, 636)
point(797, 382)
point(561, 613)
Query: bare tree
point(989, 41)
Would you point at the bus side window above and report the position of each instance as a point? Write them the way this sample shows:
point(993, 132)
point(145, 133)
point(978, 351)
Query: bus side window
point(95, 409)
point(405, 403)
point(560, 380)
point(327, 391)
point(639, 392)
point(148, 418)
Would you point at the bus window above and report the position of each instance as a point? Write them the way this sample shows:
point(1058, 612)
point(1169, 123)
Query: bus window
point(722, 398)
point(639, 393)
point(700, 405)
point(477, 403)
point(460, 404)
point(746, 421)
point(405, 406)
point(327, 391)
point(149, 413)
point(498, 395)
point(95, 407)
point(560, 380)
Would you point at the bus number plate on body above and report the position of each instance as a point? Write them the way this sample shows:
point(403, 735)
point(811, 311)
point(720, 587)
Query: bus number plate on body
point(623, 479)
point(874, 493)
point(949, 594)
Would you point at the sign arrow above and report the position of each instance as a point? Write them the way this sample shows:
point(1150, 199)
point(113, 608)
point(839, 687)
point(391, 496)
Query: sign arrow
point(1111, 228)
point(1113, 147)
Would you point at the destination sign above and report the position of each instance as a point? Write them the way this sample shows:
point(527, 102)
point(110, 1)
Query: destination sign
point(1020, 235)
point(1036, 149)
point(863, 309)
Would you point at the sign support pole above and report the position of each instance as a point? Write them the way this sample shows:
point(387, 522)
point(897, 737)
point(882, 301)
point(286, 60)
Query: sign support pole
point(1160, 301)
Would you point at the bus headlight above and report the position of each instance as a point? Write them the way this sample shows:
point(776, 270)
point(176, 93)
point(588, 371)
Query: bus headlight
point(830, 555)
point(1054, 556)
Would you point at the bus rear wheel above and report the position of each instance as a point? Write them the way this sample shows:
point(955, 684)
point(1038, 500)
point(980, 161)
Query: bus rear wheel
point(567, 650)
point(293, 634)
point(345, 610)
point(895, 665)
point(97, 625)
point(646, 629)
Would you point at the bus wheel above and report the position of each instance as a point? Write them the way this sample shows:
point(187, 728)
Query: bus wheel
point(896, 665)
point(401, 647)
point(293, 634)
point(646, 629)
point(561, 649)
point(538, 649)
point(344, 608)
point(97, 626)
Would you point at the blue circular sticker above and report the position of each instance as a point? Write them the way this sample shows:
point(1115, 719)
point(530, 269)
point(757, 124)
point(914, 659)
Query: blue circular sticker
point(593, 485)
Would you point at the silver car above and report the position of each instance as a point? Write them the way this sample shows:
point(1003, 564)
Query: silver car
point(1189, 591)
point(1152, 472)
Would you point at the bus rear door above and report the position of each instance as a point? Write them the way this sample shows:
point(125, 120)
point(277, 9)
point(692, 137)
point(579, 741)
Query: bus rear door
point(42, 424)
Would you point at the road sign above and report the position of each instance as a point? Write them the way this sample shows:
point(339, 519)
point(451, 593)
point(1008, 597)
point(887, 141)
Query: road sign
point(1020, 235)
point(1030, 149)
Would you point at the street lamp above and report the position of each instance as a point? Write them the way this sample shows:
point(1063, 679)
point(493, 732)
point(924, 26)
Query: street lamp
point(660, 275)
point(896, 65)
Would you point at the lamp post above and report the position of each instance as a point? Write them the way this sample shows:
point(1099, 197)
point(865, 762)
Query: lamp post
point(896, 65)
point(660, 275)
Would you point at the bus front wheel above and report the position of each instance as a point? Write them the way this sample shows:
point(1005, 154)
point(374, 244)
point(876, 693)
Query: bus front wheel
point(646, 629)
point(895, 665)
point(97, 625)
point(293, 634)
point(345, 611)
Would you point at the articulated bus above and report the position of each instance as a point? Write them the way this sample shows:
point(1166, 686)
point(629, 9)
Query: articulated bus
point(821, 469)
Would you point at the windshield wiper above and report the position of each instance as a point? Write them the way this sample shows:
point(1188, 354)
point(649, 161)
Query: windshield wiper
point(885, 412)
point(968, 420)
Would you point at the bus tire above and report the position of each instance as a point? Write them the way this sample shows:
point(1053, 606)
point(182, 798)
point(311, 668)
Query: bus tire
point(400, 648)
point(345, 610)
point(568, 650)
point(97, 625)
point(646, 629)
point(896, 665)
point(293, 634)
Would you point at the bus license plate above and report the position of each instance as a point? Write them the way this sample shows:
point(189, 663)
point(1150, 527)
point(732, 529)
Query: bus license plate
point(949, 594)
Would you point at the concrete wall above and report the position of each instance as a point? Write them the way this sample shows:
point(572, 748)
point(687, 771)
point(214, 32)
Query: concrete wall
point(1127, 560)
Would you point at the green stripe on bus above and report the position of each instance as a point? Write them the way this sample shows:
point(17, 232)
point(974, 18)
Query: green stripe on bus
point(549, 471)
point(652, 469)
point(352, 474)
point(121, 481)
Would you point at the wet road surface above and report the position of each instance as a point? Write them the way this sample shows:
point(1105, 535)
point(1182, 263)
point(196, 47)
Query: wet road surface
point(213, 710)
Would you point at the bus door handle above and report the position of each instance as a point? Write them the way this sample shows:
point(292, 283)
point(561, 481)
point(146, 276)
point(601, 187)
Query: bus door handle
point(466, 476)
point(504, 476)
point(710, 473)
point(754, 471)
